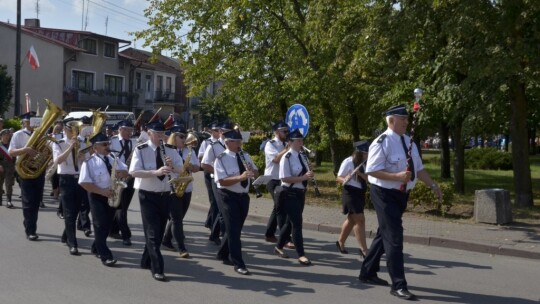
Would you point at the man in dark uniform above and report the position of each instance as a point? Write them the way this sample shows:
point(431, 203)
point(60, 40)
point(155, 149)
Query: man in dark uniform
point(122, 146)
point(232, 175)
point(31, 188)
point(213, 210)
point(387, 171)
point(153, 165)
point(274, 151)
point(95, 178)
point(66, 156)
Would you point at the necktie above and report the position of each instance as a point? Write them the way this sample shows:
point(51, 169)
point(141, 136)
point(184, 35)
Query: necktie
point(244, 183)
point(107, 163)
point(410, 161)
point(127, 144)
point(159, 162)
point(304, 169)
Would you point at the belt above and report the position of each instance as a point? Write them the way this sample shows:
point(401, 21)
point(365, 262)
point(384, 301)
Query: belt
point(156, 193)
point(69, 175)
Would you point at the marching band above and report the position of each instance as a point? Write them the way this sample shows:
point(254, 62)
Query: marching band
point(101, 173)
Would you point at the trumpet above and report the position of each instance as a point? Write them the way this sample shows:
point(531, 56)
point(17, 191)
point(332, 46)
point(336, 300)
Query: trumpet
point(250, 168)
point(306, 160)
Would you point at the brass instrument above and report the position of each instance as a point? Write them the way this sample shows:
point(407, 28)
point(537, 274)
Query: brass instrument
point(117, 186)
point(305, 157)
point(182, 181)
point(75, 127)
point(98, 119)
point(30, 167)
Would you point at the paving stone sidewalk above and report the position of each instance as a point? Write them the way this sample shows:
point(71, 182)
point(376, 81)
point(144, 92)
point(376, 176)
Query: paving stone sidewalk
point(511, 240)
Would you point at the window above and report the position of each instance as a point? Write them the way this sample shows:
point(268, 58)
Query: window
point(159, 83)
point(168, 84)
point(113, 83)
point(138, 81)
point(90, 45)
point(109, 50)
point(82, 80)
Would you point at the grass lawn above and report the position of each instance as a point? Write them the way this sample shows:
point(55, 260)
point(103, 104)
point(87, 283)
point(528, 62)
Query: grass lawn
point(462, 205)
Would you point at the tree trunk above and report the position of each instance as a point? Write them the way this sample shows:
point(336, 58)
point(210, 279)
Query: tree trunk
point(520, 145)
point(459, 160)
point(355, 130)
point(445, 150)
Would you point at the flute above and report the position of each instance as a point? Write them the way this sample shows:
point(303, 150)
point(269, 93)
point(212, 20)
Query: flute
point(162, 154)
point(250, 168)
point(349, 177)
point(313, 180)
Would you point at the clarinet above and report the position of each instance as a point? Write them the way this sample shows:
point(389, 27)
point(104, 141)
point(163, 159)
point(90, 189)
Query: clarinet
point(349, 177)
point(162, 152)
point(313, 180)
point(250, 168)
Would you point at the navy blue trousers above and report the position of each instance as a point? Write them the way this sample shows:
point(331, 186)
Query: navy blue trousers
point(293, 201)
point(120, 222)
point(155, 208)
point(235, 208)
point(32, 195)
point(102, 215)
point(71, 196)
point(389, 205)
point(175, 225)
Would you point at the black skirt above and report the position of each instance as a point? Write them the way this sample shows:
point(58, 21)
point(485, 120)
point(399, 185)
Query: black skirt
point(353, 199)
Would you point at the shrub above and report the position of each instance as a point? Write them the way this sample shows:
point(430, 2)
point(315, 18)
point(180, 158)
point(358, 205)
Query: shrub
point(423, 195)
point(482, 159)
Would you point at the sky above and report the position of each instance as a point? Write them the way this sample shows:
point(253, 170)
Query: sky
point(124, 16)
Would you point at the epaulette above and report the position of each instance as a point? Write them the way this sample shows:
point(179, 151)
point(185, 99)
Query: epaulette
point(221, 155)
point(142, 146)
point(170, 146)
point(381, 138)
point(60, 141)
point(215, 142)
point(272, 140)
point(114, 136)
point(288, 155)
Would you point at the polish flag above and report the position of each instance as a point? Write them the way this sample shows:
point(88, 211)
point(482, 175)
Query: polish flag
point(32, 58)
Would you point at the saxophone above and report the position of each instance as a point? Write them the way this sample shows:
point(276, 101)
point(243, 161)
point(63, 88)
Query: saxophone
point(31, 167)
point(181, 182)
point(117, 186)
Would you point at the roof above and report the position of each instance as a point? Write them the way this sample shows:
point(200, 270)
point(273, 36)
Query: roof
point(42, 37)
point(163, 62)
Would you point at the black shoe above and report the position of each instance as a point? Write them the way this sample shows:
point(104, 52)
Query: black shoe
point(403, 294)
point(60, 215)
point(225, 261)
point(74, 251)
point(32, 237)
point(42, 205)
point(184, 254)
point(374, 280)
point(341, 249)
point(115, 236)
point(126, 242)
point(168, 246)
point(63, 240)
point(9, 205)
point(216, 240)
point(87, 232)
point(159, 277)
point(270, 239)
point(109, 262)
point(280, 253)
point(242, 271)
point(362, 255)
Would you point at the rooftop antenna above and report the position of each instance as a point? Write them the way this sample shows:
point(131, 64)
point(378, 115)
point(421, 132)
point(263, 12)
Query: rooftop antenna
point(106, 24)
point(82, 16)
point(86, 19)
point(37, 9)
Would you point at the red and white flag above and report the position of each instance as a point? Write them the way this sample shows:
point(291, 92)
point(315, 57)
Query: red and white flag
point(32, 57)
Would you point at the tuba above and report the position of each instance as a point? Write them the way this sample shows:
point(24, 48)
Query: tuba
point(30, 167)
point(182, 181)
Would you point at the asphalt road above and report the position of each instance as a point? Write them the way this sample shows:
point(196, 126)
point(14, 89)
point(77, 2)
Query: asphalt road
point(44, 272)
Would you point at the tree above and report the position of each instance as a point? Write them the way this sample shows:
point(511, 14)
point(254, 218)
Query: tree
point(6, 88)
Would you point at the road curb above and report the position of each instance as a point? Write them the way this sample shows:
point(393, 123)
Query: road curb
point(412, 239)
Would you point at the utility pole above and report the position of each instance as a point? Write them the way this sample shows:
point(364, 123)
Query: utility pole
point(106, 24)
point(37, 9)
point(18, 63)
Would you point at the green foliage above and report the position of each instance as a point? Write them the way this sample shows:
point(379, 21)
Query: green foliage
point(14, 123)
point(6, 87)
point(488, 159)
point(423, 195)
